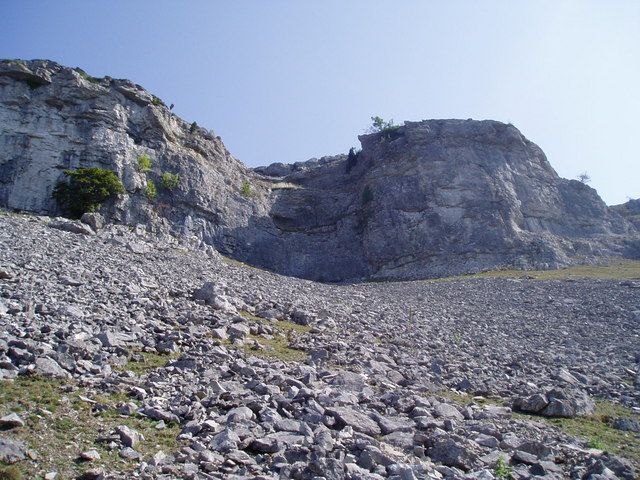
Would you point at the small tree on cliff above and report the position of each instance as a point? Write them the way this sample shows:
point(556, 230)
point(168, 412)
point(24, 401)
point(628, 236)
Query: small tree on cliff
point(86, 189)
point(584, 178)
point(380, 125)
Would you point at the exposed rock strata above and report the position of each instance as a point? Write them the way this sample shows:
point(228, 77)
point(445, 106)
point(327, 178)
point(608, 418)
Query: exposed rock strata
point(430, 198)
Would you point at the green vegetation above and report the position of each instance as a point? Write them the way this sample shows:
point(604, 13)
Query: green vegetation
point(150, 361)
point(278, 346)
point(245, 190)
point(156, 101)
point(10, 472)
point(170, 180)
point(614, 269)
point(352, 158)
point(86, 76)
point(150, 190)
point(193, 128)
point(502, 470)
point(60, 422)
point(378, 124)
point(144, 163)
point(367, 195)
point(596, 443)
point(597, 430)
point(86, 189)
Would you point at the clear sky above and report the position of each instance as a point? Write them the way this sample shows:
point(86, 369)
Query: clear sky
point(290, 80)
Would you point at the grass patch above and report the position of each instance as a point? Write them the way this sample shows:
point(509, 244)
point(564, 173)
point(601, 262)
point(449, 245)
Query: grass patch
point(151, 361)
point(618, 269)
point(59, 438)
point(462, 399)
point(276, 348)
point(597, 430)
point(279, 325)
point(10, 472)
point(279, 346)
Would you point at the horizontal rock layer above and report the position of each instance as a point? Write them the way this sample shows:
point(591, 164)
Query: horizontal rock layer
point(430, 198)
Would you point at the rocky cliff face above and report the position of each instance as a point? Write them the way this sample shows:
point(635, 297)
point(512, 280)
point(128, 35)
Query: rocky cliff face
point(630, 211)
point(430, 198)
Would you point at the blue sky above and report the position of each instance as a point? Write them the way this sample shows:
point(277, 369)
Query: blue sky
point(290, 80)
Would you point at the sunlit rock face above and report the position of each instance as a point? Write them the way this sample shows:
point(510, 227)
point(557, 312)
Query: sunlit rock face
point(429, 198)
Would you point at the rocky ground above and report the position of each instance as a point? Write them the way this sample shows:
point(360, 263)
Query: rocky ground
point(127, 356)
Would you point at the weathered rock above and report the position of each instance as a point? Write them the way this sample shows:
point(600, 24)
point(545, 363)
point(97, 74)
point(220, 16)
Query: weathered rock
point(73, 227)
point(557, 403)
point(128, 436)
point(50, 368)
point(11, 420)
point(90, 456)
point(452, 453)
point(445, 410)
point(411, 190)
point(358, 421)
point(624, 424)
point(11, 451)
point(94, 220)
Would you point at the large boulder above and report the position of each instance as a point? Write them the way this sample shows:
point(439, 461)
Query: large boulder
point(557, 403)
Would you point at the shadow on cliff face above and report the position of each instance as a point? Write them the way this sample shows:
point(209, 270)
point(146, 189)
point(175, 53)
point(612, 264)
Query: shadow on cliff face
point(438, 198)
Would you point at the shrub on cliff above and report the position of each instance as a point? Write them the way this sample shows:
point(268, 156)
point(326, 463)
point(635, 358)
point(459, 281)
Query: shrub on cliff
point(85, 190)
point(170, 180)
point(144, 163)
point(245, 190)
point(378, 124)
point(150, 190)
point(352, 158)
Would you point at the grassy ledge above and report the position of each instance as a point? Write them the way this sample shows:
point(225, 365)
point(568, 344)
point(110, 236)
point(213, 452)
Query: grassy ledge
point(61, 421)
point(614, 269)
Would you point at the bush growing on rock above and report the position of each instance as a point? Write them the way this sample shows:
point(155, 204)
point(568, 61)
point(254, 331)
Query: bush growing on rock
point(86, 189)
point(144, 163)
point(246, 189)
point(170, 180)
point(380, 125)
point(150, 190)
point(352, 158)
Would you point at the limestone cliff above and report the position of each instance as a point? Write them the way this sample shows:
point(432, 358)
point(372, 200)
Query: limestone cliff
point(430, 198)
point(630, 210)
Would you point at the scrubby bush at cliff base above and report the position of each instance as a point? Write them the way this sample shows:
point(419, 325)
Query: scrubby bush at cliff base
point(170, 180)
point(85, 190)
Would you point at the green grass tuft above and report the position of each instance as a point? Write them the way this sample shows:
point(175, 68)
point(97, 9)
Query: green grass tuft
point(277, 347)
point(10, 472)
point(597, 430)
